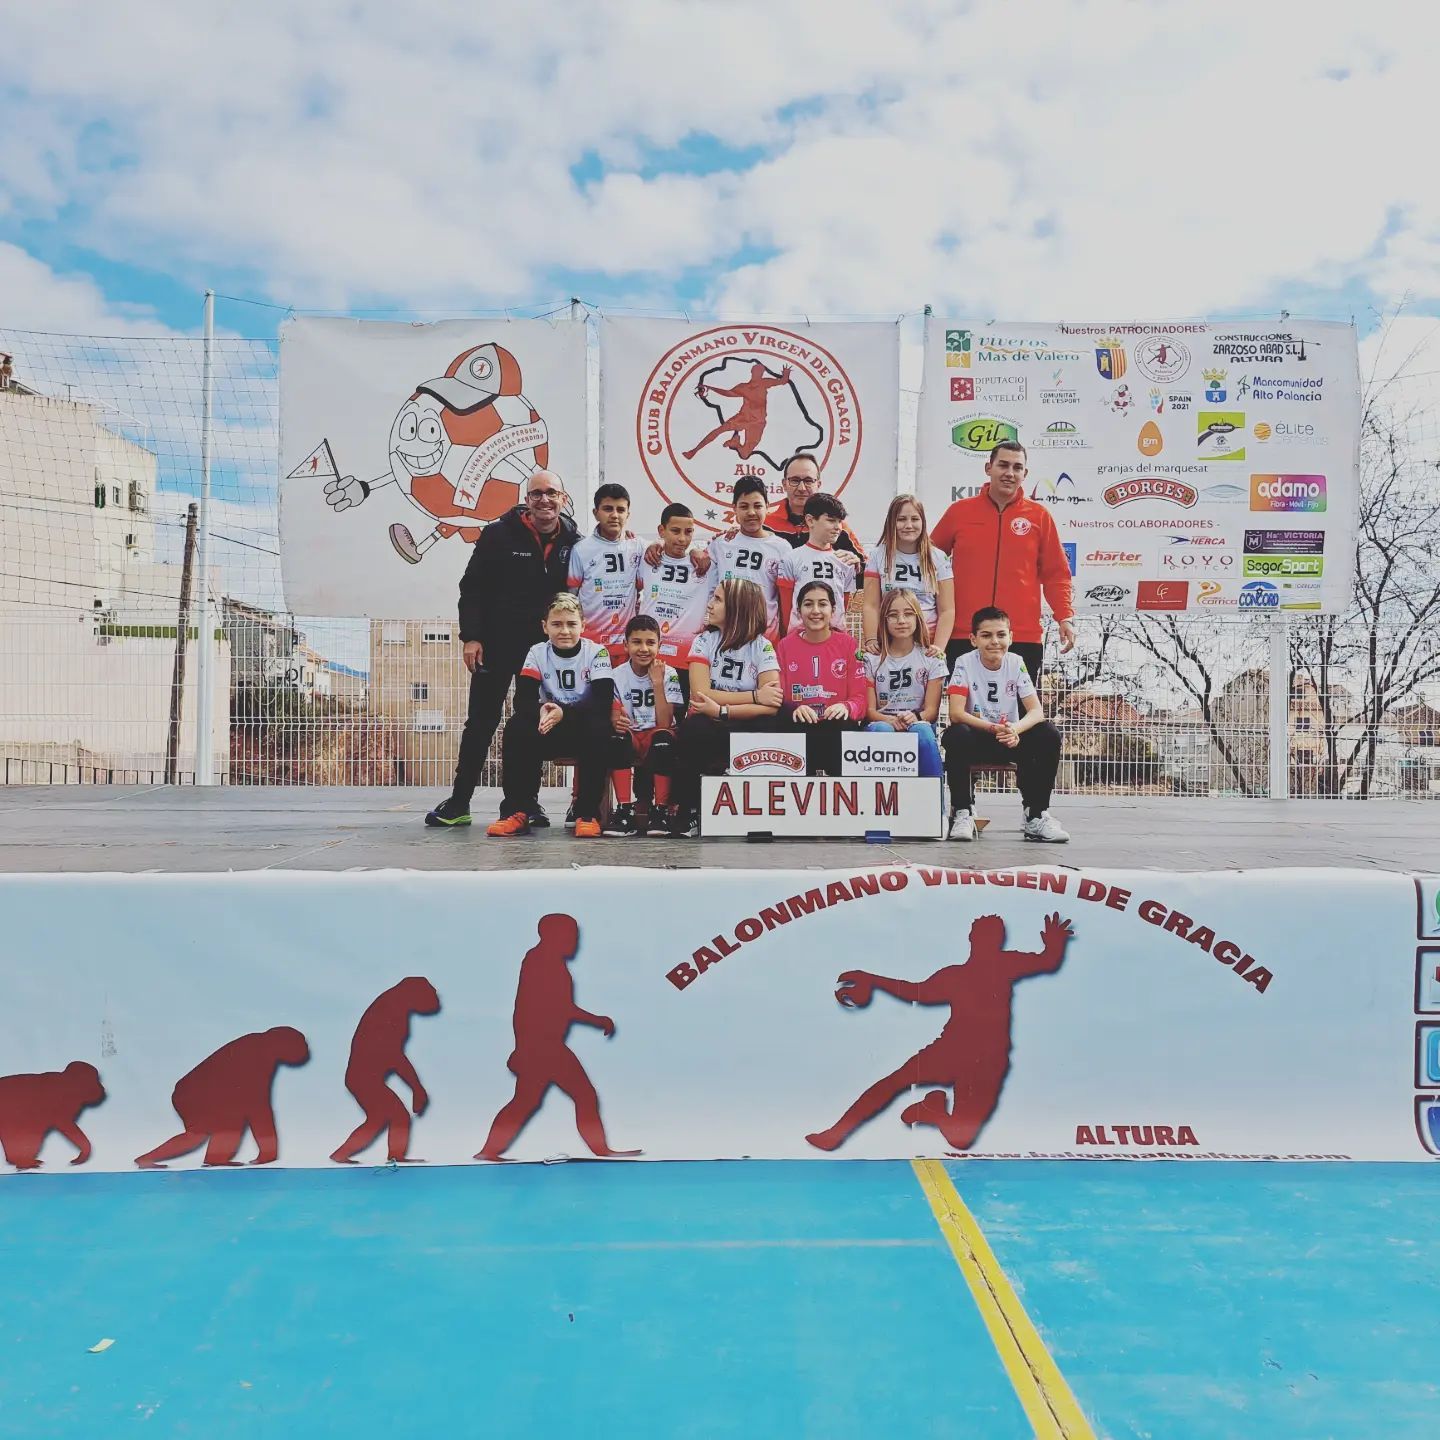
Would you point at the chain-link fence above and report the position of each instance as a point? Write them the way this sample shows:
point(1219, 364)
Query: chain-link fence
point(100, 466)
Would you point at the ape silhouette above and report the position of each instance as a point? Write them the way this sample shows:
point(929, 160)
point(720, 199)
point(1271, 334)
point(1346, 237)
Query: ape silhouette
point(376, 1053)
point(972, 1053)
point(545, 1009)
point(228, 1093)
point(31, 1106)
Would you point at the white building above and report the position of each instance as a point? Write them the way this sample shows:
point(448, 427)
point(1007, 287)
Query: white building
point(88, 616)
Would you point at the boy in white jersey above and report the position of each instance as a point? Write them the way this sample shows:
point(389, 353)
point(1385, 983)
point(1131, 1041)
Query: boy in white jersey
point(996, 719)
point(603, 570)
point(648, 703)
point(751, 552)
point(673, 590)
point(817, 559)
point(563, 696)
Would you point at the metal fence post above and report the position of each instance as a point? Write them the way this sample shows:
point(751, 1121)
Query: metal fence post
point(1279, 726)
point(204, 677)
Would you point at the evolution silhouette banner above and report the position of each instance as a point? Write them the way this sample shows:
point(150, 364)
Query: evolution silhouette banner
point(313, 1020)
point(400, 443)
point(1191, 467)
point(687, 409)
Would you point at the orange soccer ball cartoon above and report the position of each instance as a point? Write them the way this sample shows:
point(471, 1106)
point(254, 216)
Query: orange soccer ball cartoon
point(460, 448)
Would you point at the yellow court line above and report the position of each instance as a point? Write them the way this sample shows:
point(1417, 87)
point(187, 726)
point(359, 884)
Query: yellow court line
point(1051, 1407)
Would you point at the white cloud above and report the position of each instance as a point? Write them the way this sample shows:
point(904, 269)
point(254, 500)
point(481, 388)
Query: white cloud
point(1076, 159)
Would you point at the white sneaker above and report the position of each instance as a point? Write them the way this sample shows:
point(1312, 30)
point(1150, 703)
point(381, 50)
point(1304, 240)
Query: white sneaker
point(1047, 829)
point(962, 826)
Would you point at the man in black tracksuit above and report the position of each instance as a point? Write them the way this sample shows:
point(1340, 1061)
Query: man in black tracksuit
point(519, 562)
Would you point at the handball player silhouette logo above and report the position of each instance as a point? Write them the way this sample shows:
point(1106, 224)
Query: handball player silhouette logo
point(227, 1094)
point(971, 1055)
point(545, 1009)
point(376, 1053)
point(459, 450)
point(741, 400)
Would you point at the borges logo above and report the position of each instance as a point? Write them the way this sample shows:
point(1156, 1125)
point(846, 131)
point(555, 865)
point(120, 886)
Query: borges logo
point(754, 759)
point(1153, 487)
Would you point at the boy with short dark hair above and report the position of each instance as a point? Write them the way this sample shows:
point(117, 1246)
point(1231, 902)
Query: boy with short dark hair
point(602, 572)
point(648, 705)
point(996, 719)
point(673, 590)
point(817, 559)
point(751, 552)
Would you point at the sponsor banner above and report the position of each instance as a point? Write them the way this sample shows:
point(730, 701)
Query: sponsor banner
point(399, 443)
point(1143, 429)
point(754, 753)
point(822, 806)
point(875, 1011)
point(876, 753)
point(687, 409)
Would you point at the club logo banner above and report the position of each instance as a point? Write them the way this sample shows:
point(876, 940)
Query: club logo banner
point(400, 443)
point(1178, 442)
point(687, 410)
point(867, 1013)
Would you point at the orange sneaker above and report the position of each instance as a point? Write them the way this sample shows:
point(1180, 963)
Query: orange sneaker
point(587, 829)
point(510, 825)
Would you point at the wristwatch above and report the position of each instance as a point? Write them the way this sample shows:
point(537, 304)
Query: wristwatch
point(724, 712)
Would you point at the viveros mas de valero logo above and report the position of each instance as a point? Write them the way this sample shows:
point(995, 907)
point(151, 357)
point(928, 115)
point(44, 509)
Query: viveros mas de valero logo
point(740, 400)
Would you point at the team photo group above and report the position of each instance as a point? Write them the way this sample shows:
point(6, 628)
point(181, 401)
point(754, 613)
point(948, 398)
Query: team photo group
point(636, 658)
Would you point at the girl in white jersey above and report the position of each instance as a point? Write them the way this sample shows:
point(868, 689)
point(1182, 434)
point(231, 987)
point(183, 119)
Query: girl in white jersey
point(734, 685)
point(905, 681)
point(906, 560)
point(563, 696)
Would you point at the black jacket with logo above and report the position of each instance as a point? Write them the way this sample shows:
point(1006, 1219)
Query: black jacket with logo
point(510, 579)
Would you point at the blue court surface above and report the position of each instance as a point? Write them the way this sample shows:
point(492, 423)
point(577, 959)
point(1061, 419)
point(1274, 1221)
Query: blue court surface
point(825, 1299)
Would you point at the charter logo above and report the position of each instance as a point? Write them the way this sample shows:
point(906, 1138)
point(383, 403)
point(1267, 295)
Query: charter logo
point(1287, 492)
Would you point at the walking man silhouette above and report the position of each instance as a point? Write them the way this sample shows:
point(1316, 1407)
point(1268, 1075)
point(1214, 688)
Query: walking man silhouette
point(971, 1055)
point(545, 1009)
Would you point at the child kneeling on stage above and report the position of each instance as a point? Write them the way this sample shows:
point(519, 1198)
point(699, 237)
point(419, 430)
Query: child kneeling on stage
point(823, 677)
point(734, 685)
point(989, 688)
point(563, 697)
point(648, 702)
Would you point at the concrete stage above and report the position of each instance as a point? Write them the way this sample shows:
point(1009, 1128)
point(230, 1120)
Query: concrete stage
point(88, 828)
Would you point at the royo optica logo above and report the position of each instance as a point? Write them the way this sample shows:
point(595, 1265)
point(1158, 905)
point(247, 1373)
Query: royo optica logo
point(1259, 595)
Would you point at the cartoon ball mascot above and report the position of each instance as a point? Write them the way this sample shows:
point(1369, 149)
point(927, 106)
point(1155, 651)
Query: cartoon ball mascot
point(460, 449)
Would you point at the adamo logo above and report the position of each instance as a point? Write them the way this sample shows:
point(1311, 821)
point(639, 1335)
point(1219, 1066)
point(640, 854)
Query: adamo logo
point(981, 433)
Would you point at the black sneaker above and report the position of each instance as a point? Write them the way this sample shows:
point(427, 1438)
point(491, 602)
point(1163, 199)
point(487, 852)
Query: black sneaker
point(449, 811)
point(537, 817)
point(621, 821)
point(570, 816)
point(684, 825)
point(661, 818)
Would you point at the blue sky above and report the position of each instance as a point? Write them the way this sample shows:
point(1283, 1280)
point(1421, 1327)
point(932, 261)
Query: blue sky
point(1097, 160)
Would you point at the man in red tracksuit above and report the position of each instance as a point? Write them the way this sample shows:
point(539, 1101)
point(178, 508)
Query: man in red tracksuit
point(1005, 549)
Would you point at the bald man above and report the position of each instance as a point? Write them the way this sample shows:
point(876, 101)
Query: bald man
point(517, 564)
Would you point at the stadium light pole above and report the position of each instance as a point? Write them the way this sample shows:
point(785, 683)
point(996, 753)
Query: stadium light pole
point(204, 670)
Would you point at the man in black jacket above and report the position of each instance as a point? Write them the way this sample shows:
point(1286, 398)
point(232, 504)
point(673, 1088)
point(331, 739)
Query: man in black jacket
point(519, 562)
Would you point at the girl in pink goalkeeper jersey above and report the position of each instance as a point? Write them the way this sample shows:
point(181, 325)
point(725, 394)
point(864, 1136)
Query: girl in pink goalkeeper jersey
point(822, 678)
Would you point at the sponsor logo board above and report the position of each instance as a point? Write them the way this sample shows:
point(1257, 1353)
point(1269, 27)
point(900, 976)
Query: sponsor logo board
point(1268, 566)
point(1259, 595)
point(1108, 594)
point(1161, 360)
point(980, 434)
point(1151, 487)
point(877, 754)
point(1289, 493)
point(1219, 435)
point(752, 754)
point(1284, 542)
point(1162, 595)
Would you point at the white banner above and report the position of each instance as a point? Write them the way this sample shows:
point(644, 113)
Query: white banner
point(687, 409)
point(399, 443)
point(882, 1011)
point(1190, 466)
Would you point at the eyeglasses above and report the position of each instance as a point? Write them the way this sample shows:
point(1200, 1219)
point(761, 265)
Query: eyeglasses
point(802, 479)
point(548, 497)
